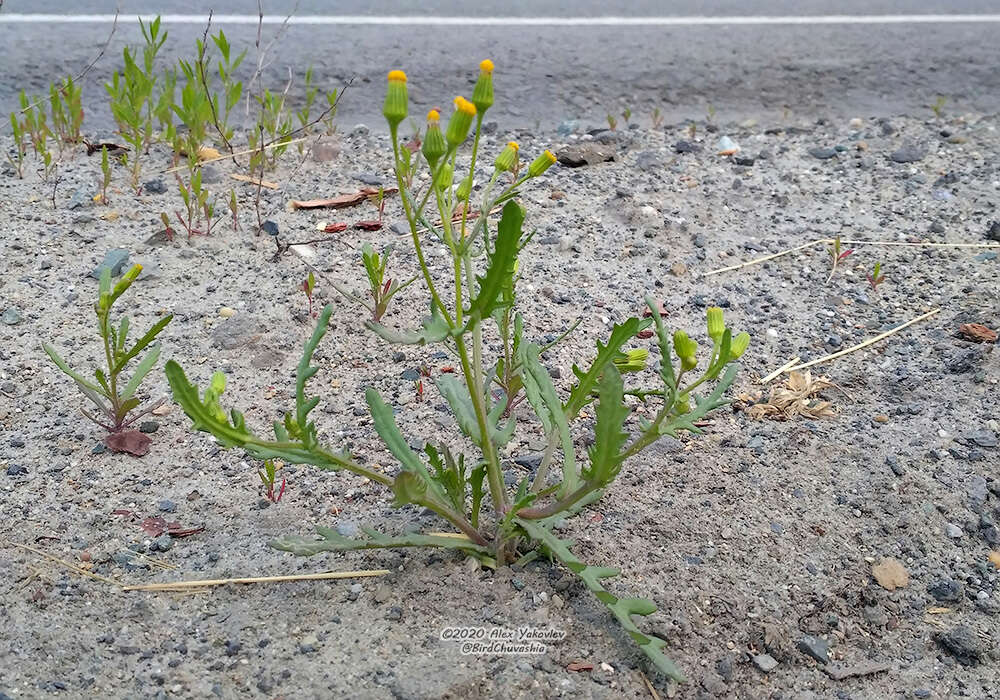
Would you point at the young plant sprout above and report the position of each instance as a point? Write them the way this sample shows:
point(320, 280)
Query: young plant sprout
point(875, 278)
point(307, 286)
point(268, 477)
point(115, 399)
point(837, 255)
point(473, 300)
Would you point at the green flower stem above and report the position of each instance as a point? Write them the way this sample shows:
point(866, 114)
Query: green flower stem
point(493, 472)
point(436, 300)
point(559, 506)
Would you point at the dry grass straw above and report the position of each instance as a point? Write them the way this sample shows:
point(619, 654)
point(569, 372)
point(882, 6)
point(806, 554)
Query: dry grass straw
point(788, 367)
point(830, 241)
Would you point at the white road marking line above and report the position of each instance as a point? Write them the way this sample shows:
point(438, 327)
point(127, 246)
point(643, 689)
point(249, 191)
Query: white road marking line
point(403, 20)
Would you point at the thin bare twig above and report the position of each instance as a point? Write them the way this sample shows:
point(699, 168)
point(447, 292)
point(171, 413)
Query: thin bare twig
point(208, 93)
point(262, 53)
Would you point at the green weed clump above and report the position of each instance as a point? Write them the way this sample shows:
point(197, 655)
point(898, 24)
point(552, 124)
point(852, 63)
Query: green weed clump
point(113, 396)
point(474, 300)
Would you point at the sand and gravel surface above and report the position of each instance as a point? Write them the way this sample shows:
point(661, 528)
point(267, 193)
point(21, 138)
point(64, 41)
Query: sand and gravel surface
point(757, 540)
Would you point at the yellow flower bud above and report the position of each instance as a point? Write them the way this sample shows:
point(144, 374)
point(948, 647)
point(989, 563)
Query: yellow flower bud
point(686, 348)
point(464, 189)
point(434, 146)
point(396, 99)
point(482, 94)
point(507, 160)
point(542, 163)
point(632, 360)
point(716, 324)
point(739, 345)
point(461, 120)
point(444, 177)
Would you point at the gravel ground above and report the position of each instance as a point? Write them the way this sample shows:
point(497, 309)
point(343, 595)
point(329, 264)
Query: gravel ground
point(757, 540)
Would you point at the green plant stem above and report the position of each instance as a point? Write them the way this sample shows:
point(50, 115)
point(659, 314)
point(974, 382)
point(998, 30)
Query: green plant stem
point(563, 504)
point(436, 300)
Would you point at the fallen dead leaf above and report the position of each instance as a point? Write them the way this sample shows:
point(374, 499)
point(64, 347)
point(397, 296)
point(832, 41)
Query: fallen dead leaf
point(890, 574)
point(939, 611)
point(331, 226)
point(341, 201)
point(154, 527)
point(580, 666)
point(208, 153)
point(994, 558)
point(977, 333)
point(797, 397)
point(161, 410)
point(130, 441)
point(372, 225)
point(113, 148)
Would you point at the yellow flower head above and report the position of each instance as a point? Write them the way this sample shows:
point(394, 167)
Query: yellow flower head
point(482, 94)
point(434, 146)
point(396, 104)
point(507, 160)
point(461, 120)
point(513, 144)
point(542, 163)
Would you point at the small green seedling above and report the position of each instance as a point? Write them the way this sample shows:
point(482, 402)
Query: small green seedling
point(308, 285)
point(938, 106)
point(710, 113)
point(20, 145)
point(268, 476)
point(105, 175)
point(657, 118)
point(837, 255)
point(234, 210)
point(875, 278)
point(612, 122)
point(382, 289)
point(115, 398)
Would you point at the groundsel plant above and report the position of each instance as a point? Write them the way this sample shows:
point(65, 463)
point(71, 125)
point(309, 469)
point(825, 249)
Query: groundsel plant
point(475, 301)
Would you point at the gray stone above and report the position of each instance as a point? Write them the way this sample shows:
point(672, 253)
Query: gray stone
point(993, 233)
point(149, 426)
point(167, 506)
point(269, 227)
point(962, 643)
point(369, 179)
point(156, 186)
point(909, 153)
point(236, 331)
point(585, 154)
point(114, 260)
point(347, 528)
point(12, 316)
point(816, 647)
point(79, 199)
point(953, 531)
point(946, 590)
point(822, 153)
point(163, 543)
point(686, 147)
point(765, 662)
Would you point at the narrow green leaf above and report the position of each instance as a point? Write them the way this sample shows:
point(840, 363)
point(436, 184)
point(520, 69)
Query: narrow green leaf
point(664, 343)
point(542, 396)
point(500, 272)
point(143, 342)
point(609, 435)
point(434, 330)
point(385, 426)
point(622, 608)
point(141, 370)
point(61, 364)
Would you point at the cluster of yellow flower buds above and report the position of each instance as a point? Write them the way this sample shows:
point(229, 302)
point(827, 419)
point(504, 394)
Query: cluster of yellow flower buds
point(438, 144)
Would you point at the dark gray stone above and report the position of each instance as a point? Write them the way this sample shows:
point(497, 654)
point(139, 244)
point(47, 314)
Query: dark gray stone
point(114, 260)
point(962, 643)
point(12, 316)
point(946, 590)
point(909, 153)
point(822, 153)
point(581, 154)
point(816, 647)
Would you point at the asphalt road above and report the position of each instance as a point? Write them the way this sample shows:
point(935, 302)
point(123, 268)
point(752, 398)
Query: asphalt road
point(548, 74)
